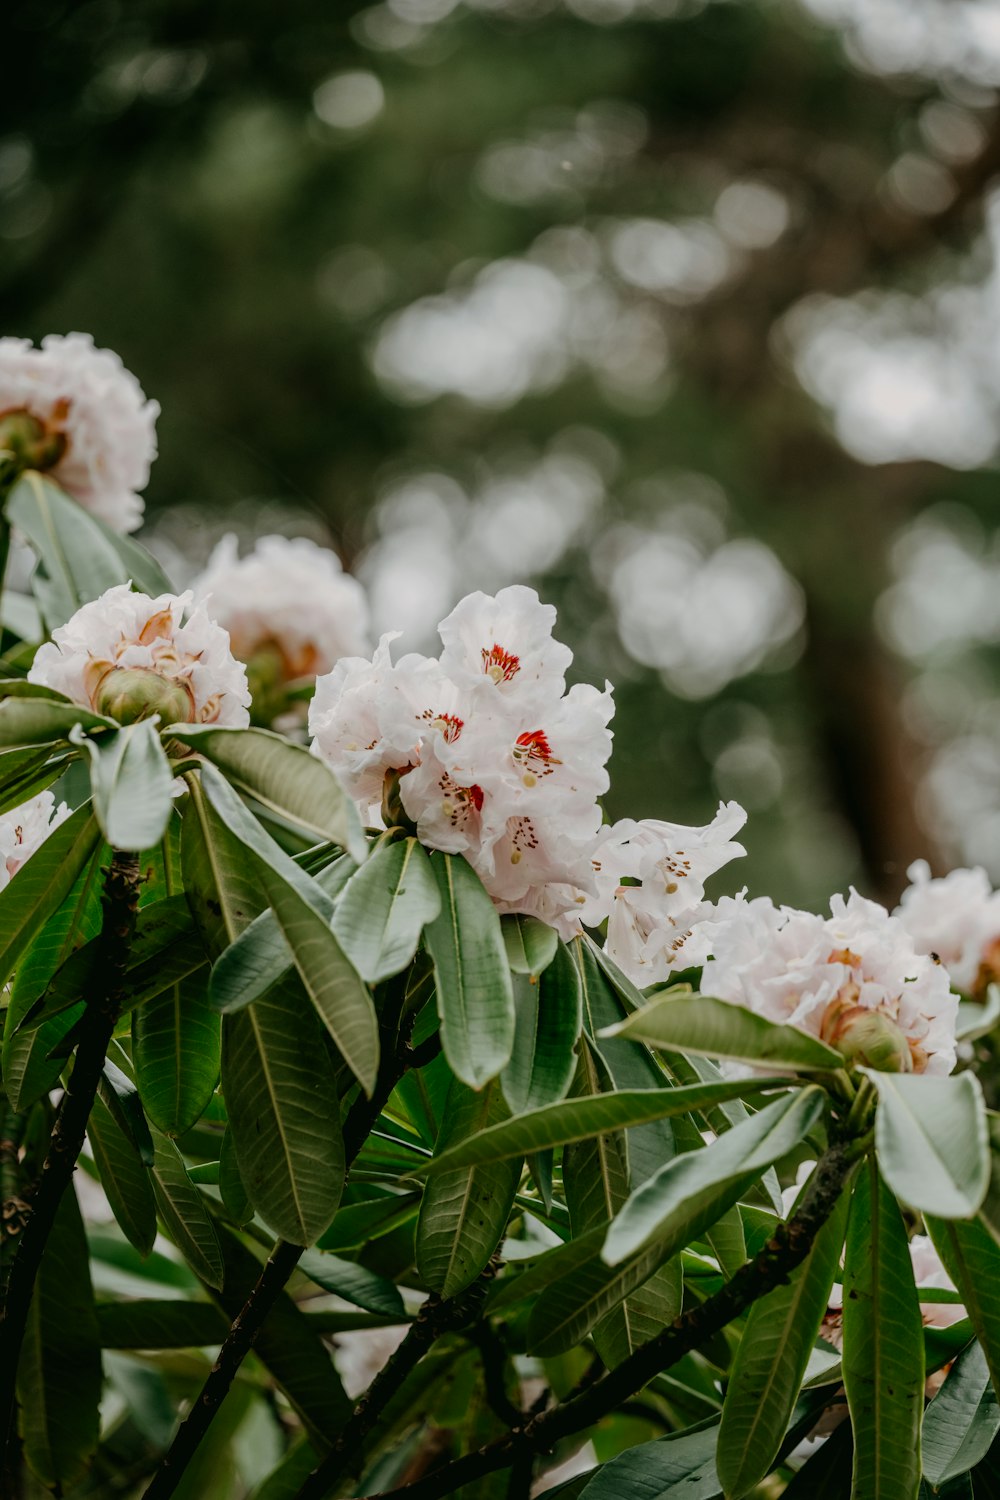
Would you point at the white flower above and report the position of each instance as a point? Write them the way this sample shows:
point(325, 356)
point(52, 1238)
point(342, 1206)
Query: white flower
point(505, 643)
point(125, 649)
point(290, 595)
point(23, 829)
point(957, 919)
point(656, 921)
point(98, 430)
point(824, 975)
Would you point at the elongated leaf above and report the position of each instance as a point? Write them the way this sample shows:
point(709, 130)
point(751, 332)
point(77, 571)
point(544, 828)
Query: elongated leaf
point(971, 1257)
point(384, 908)
point(119, 1094)
point(770, 1363)
point(697, 1023)
point(234, 1194)
point(59, 1376)
point(576, 1119)
point(123, 1177)
point(932, 1142)
point(184, 1214)
point(883, 1346)
point(682, 1464)
point(79, 556)
point(43, 882)
point(281, 1093)
point(357, 1224)
point(963, 1419)
point(284, 778)
point(464, 1212)
point(152, 1323)
point(474, 995)
point(176, 1048)
point(531, 945)
point(45, 721)
point(352, 1282)
point(131, 783)
point(548, 1016)
point(705, 1176)
point(25, 773)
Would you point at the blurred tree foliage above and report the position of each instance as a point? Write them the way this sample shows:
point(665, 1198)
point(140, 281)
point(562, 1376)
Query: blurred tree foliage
point(252, 202)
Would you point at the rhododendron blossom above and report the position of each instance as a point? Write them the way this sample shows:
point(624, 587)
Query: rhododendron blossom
point(495, 759)
point(128, 656)
point(24, 829)
point(81, 416)
point(288, 598)
point(826, 975)
point(957, 919)
point(656, 922)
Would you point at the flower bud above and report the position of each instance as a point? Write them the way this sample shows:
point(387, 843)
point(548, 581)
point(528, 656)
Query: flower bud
point(128, 694)
point(32, 444)
point(393, 811)
point(868, 1037)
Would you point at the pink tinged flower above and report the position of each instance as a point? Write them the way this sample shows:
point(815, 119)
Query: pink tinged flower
point(505, 643)
point(288, 597)
point(357, 724)
point(957, 920)
point(86, 419)
point(129, 656)
point(24, 829)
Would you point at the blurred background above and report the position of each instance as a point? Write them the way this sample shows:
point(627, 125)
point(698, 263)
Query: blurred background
point(686, 313)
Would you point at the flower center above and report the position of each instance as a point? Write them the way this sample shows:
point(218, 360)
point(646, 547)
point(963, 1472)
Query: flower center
point(500, 664)
point(533, 752)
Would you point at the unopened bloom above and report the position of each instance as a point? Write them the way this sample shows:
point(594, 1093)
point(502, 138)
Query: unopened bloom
point(129, 656)
point(957, 919)
point(831, 976)
point(24, 829)
point(288, 605)
point(650, 879)
point(77, 413)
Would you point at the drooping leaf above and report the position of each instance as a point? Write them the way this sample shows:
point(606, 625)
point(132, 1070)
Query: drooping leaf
point(281, 1093)
point(176, 1048)
point(45, 721)
point(464, 1212)
point(932, 1142)
point(474, 995)
point(184, 1214)
point(384, 908)
point(714, 1028)
point(883, 1358)
point(531, 945)
point(120, 1095)
point(25, 773)
point(971, 1256)
point(59, 1375)
point(124, 1179)
point(681, 1464)
point(131, 782)
point(962, 1421)
point(352, 1282)
point(234, 1194)
point(284, 778)
point(159, 1323)
point(774, 1349)
point(43, 882)
point(548, 1016)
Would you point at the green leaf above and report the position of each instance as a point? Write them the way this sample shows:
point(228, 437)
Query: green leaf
point(25, 773)
point(464, 1212)
point(676, 1194)
point(932, 1141)
point(59, 1376)
point(681, 1464)
point(384, 908)
point(971, 1257)
point(151, 1323)
point(474, 995)
point(284, 778)
point(176, 1049)
point(355, 1284)
point(123, 1177)
point(42, 884)
point(184, 1214)
point(119, 1093)
point(234, 1194)
point(883, 1360)
point(714, 1028)
point(281, 1093)
point(577, 1119)
point(28, 722)
point(219, 880)
point(79, 556)
point(132, 784)
point(303, 910)
point(531, 945)
point(548, 1016)
point(975, 1019)
point(962, 1421)
point(771, 1360)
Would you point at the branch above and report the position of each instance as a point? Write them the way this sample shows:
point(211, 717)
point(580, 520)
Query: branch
point(786, 1250)
point(103, 1006)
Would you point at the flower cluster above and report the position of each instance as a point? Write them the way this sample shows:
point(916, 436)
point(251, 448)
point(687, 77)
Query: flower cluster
point(957, 920)
point(25, 828)
point(496, 760)
point(76, 412)
point(854, 979)
point(290, 609)
point(129, 656)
